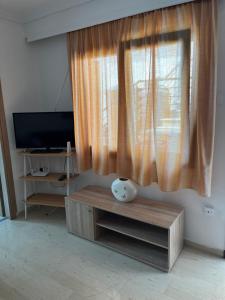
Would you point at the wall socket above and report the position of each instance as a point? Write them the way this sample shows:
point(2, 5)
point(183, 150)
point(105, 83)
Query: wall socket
point(208, 211)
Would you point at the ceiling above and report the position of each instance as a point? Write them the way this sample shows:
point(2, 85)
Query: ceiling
point(28, 10)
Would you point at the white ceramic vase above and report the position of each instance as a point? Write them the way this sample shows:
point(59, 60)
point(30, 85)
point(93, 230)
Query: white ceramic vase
point(124, 189)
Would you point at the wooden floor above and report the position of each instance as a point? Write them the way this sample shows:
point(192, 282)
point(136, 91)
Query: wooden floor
point(40, 260)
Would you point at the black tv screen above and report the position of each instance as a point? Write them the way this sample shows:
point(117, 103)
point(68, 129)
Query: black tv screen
point(44, 130)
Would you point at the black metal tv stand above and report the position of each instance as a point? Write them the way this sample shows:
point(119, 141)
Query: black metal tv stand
point(37, 151)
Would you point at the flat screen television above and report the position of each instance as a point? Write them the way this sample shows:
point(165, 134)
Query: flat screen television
point(43, 130)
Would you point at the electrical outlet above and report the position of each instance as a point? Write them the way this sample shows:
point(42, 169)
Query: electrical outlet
point(208, 211)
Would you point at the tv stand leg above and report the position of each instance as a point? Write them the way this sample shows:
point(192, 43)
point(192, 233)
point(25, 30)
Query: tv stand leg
point(25, 210)
point(25, 186)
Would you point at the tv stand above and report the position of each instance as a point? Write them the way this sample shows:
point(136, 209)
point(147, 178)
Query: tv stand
point(62, 179)
point(40, 151)
point(146, 230)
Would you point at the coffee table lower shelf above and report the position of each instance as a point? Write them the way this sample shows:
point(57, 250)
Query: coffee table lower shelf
point(53, 200)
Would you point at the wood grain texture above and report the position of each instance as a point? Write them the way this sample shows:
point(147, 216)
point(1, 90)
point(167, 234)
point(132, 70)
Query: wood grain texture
point(176, 241)
point(153, 256)
point(80, 219)
point(54, 200)
point(142, 209)
point(60, 154)
point(51, 177)
point(7, 160)
point(139, 230)
point(146, 230)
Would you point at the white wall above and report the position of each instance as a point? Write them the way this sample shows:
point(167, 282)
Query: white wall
point(51, 56)
point(21, 89)
point(88, 14)
point(209, 231)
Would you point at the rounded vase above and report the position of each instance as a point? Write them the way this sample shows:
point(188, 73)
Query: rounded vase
point(124, 189)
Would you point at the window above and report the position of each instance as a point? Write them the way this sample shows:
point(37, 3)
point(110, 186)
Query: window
point(160, 68)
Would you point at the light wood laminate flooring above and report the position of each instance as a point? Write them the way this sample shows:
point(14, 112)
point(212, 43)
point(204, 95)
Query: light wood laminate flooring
point(40, 260)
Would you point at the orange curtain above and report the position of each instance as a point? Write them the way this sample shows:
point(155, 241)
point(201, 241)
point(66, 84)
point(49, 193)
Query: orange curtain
point(144, 96)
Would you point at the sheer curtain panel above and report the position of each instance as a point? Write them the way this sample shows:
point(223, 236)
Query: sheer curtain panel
point(144, 96)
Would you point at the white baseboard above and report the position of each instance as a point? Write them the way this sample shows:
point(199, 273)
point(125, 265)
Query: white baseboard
point(217, 252)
